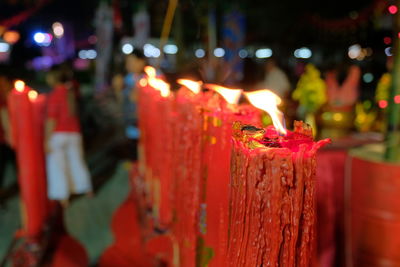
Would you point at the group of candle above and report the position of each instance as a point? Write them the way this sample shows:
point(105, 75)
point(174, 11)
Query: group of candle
point(228, 192)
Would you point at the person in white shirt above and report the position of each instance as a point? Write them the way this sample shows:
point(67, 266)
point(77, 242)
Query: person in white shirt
point(275, 79)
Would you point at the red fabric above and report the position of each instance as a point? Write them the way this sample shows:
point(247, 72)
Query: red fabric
point(372, 212)
point(59, 110)
point(69, 253)
point(128, 248)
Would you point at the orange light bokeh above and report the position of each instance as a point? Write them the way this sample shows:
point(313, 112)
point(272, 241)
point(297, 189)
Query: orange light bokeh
point(11, 37)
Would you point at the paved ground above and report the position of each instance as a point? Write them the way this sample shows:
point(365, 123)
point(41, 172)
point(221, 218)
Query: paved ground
point(89, 219)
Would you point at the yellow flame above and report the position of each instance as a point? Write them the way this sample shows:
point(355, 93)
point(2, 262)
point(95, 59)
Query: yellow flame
point(19, 86)
point(150, 71)
point(231, 96)
point(157, 83)
point(161, 86)
point(32, 94)
point(193, 86)
point(268, 101)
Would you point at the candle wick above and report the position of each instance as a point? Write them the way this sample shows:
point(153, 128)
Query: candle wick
point(283, 121)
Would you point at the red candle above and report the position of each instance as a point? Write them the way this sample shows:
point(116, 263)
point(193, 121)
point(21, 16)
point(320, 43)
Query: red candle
point(272, 201)
point(26, 139)
point(222, 112)
point(146, 109)
point(39, 104)
point(156, 111)
point(187, 155)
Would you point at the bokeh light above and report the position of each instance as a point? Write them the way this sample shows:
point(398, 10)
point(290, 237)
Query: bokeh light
point(127, 49)
point(392, 9)
point(11, 37)
point(58, 29)
point(199, 53)
point(219, 52)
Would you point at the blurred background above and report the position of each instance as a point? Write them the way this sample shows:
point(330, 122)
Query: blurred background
point(332, 62)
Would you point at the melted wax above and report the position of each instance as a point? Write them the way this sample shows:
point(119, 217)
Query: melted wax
point(272, 218)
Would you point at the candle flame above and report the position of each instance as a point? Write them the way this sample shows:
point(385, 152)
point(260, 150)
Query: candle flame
point(231, 96)
point(194, 86)
point(268, 101)
point(157, 83)
point(150, 71)
point(161, 86)
point(32, 94)
point(19, 86)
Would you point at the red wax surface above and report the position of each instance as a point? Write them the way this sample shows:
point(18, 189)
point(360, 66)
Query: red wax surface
point(156, 113)
point(187, 156)
point(214, 210)
point(272, 204)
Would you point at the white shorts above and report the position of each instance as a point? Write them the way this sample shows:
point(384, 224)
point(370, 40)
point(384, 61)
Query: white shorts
point(67, 172)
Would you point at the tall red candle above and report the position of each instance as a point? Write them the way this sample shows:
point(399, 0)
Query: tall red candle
point(272, 219)
point(162, 166)
point(28, 145)
point(187, 156)
point(214, 209)
point(156, 111)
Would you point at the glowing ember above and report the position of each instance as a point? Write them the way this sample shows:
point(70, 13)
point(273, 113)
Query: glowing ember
point(268, 101)
point(231, 96)
point(19, 86)
point(32, 94)
point(193, 86)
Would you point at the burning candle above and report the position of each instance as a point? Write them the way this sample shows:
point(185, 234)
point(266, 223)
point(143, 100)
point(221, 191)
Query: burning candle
point(272, 218)
point(187, 154)
point(222, 111)
point(25, 111)
point(156, 108)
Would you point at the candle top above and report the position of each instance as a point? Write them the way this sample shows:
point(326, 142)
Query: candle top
point(253, 137)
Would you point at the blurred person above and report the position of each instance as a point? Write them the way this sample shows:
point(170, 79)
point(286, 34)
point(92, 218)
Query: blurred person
point(71, 82)
point(67, 172)
point(275, 79)
point(134, 65)
point(125, 87)
point(117, 84)
point(7, 154)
